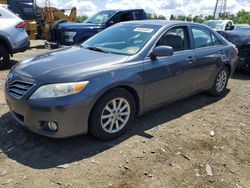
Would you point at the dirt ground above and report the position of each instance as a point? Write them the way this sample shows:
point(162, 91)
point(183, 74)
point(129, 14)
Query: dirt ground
point(173, 146)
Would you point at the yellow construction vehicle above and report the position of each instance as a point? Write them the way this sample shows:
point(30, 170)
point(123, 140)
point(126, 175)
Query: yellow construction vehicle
point(40, 21)
point(51, 15)
point(3, 1)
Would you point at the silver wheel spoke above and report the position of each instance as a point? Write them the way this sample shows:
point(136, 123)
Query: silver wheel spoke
point(107, 123)
point(120, 104)
point(107, 116)
point(112, 125)
point(124, 107)
point(124, 113)
point(120, 119)
point(117, 125)
point(114, 105)
point(108, 109)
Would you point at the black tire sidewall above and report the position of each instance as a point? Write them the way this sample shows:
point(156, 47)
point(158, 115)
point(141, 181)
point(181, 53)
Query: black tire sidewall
point(6, 57)
point(213, 90)
point(95, 127)
point(245, 68)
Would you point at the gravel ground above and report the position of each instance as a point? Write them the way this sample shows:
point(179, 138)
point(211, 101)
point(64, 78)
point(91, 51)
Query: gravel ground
point(198, 142)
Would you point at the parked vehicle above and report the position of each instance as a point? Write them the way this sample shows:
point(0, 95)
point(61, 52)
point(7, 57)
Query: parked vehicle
point(241, 38)
point(13, 37)
point(124, 71)
point(75, 33)
point(39, 20)
point(243, 28)
point(220, 25)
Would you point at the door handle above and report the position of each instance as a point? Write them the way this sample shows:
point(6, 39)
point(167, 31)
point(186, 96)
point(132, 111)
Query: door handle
point(190, 59)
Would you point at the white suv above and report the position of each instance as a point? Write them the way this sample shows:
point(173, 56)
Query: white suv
point(220, 25)
point(13, 36)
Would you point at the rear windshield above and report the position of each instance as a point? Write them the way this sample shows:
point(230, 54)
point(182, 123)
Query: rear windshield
point(101, 17)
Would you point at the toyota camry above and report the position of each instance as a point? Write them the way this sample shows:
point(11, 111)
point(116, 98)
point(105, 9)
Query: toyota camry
point(100, 86)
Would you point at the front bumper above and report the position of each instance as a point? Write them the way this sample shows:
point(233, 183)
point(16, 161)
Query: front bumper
point(71, 114)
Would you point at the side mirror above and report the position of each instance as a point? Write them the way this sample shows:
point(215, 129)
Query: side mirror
point(232, 27)
point(161, 51)
point(111, 22)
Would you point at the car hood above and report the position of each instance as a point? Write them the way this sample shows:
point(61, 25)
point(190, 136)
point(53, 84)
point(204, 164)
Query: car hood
point(78, 26)
point(68, 65)
point(238, 38)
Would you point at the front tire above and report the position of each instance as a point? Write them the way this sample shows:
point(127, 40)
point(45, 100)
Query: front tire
point(220, 83)
point(113, 114)
point(4, 57)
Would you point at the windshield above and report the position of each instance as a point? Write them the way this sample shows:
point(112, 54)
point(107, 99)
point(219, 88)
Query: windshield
point(101, 17)
point(122, 39)
point(217, 25)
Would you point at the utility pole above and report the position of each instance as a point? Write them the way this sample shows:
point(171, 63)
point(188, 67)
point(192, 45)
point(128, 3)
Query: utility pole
point(220, 8)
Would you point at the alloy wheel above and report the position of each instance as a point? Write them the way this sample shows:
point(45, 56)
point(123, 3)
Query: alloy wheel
point(115, 115)
point(221, 81)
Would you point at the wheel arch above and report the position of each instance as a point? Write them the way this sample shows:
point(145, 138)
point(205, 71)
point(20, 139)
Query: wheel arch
point(128, 88)
point(229, 68)
point(5, 43)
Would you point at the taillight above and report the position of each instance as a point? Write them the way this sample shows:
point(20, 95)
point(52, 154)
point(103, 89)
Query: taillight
point(21, 25)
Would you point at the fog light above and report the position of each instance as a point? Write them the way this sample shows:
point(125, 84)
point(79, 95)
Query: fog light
point(52, 126)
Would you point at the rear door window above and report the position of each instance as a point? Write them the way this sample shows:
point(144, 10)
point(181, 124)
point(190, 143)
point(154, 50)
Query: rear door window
point(216, 40)
point(138, 15)
point(202, 37)
point(126, 16)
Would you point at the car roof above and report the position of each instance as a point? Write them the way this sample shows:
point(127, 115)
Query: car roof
point(121, 10)
point(162, 22)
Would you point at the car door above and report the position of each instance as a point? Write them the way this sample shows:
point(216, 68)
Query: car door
point(169, 78)
point(208, 52)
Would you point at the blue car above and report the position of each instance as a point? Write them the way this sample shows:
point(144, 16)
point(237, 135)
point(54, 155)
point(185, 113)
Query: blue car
point(124, 71)
point(74, 33)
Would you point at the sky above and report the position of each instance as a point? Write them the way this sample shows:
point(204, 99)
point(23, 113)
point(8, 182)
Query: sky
point(159, 7)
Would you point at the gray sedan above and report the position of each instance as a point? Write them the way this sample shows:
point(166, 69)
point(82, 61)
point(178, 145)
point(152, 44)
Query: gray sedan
point(128, 69)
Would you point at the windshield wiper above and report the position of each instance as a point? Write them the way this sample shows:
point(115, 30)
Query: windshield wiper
point(97, 49)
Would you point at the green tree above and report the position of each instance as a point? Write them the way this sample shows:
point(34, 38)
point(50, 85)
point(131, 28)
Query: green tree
point(161, 17)
point(181, 17)
point(150, 16)
point(172, 17)
point(80, 19)
point(198, 19)
point(189, 18)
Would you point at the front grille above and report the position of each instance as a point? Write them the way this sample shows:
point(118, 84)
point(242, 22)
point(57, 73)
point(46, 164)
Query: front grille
point(19, 88)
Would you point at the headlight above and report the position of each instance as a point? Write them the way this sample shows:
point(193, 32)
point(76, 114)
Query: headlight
point(59, 90)
point(70, 36)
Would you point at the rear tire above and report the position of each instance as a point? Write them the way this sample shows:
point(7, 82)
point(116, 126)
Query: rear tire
point(220, 83)
point(4, 57)
point(246, 67)
point(113, 114)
